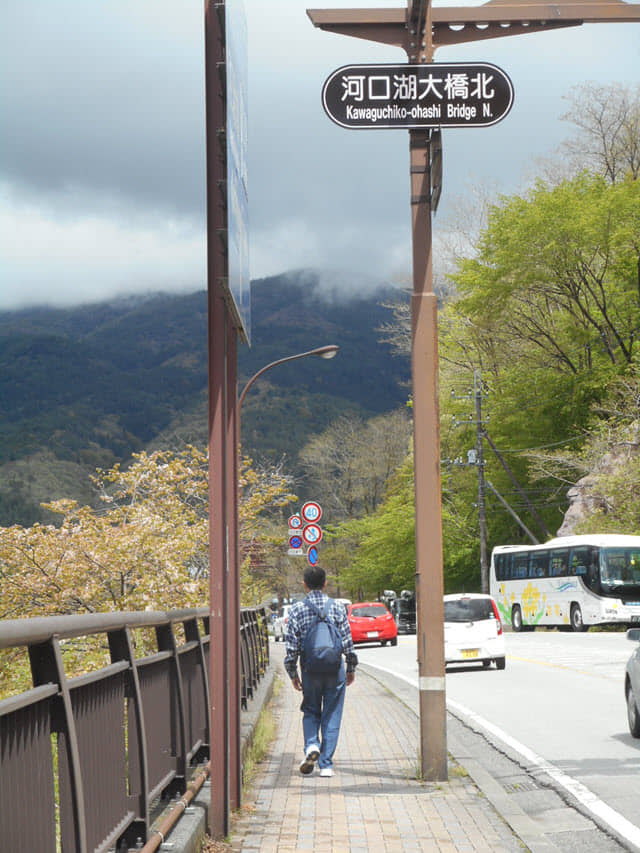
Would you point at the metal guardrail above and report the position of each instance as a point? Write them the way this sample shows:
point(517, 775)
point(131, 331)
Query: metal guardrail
point(82, 759)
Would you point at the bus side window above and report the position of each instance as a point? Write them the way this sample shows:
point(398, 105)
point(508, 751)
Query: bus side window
point(520, 566)
point(539, 564)
point(579, 561)
point(559, 563)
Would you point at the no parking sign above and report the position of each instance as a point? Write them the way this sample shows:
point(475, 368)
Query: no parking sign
point(312, 534)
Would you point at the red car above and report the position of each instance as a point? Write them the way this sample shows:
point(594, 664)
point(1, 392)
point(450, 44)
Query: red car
point(371, 622)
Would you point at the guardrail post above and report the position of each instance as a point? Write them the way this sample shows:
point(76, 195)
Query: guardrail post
point(121, 648)
point(47, 668)
point(167, 643)
point(192, 633)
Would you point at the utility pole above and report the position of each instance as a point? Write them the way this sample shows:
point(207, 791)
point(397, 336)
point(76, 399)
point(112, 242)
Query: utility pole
point(476, 458)
point(482, 514)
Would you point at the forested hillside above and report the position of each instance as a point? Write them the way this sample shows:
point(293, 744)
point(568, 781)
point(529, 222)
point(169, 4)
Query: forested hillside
point(85, 387)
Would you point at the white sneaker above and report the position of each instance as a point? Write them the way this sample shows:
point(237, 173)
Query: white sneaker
point(308, 763)
point(326, 771)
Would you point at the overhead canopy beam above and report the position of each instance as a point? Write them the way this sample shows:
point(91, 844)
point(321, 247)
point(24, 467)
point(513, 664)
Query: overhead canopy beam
point(458, 24)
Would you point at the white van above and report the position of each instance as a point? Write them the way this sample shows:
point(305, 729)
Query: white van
point(473, 630)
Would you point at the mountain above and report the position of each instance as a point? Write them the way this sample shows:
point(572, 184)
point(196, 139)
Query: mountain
point(85, 387)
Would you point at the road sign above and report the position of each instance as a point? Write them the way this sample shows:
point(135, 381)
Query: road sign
point(311, 511)
point(461, 94)
point(312, 555)
point(295, 522)
point(295, 552)
point(295, 541)
point(312, 533)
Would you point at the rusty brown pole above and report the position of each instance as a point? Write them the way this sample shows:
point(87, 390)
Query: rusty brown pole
point(233, 571)
point(218, 591)
point(426, 448)
point(217, 355)
point(426, 432)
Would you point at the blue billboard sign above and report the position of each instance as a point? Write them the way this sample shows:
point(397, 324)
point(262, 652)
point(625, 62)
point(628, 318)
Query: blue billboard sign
point(237, 65)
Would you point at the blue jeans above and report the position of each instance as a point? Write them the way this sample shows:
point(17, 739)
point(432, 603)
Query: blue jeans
point(322, 704)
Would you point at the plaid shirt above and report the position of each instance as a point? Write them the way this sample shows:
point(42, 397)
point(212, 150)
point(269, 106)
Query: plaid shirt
point(300, 620)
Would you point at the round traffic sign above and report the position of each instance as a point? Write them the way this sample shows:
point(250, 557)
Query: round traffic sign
point(295, 522)
point(312, 555)
point(295, 541)
point(311, 511)
point(312, 533)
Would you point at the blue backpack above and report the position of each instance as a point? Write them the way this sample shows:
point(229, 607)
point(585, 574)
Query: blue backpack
point(322, 645)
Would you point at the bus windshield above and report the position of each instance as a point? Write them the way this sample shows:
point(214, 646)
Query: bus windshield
point(620, 571)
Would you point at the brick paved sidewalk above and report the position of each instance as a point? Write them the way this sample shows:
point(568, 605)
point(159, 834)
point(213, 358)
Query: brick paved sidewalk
point(375, 801)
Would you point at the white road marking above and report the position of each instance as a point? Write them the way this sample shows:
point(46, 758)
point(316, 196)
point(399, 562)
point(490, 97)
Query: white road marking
point(620, 825)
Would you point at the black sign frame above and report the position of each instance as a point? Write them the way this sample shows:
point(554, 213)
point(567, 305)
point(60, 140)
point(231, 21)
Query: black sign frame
point(414, 96)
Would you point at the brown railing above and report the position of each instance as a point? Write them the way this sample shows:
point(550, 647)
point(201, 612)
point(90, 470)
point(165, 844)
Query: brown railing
point(83, 759)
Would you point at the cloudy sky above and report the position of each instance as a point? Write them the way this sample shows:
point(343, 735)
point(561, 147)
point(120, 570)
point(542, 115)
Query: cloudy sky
point(102, 143)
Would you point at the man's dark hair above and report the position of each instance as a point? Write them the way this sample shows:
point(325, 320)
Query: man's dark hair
point(315, 577)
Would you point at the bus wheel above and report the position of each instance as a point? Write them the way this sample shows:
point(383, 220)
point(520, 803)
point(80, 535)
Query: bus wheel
point(576, 618)
point(516, 619)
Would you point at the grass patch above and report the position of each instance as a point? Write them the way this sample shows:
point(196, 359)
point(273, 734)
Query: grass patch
point(454, 771)
point(263, 736)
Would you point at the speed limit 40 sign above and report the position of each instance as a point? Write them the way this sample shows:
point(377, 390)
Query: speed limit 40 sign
point(311, 511)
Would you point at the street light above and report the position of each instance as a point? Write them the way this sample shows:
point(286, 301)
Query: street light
point(323, 352)
point(231, 747)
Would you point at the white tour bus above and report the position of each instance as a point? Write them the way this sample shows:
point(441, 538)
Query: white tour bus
point(574, 580)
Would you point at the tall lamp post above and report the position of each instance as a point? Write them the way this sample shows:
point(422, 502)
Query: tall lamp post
point(234, 740)
point(323, 352)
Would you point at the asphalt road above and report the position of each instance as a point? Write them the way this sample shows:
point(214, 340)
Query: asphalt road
point(559, 707)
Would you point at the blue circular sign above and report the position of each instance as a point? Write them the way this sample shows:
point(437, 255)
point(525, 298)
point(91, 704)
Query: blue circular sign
point(312, 555)
point(295, 541)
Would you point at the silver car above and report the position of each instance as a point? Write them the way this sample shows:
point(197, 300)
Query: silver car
point(280, 625)
point(632, 684)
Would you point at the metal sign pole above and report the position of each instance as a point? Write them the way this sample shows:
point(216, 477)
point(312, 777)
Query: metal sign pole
point(426, 444)
point(217, 351)
point(419, 30)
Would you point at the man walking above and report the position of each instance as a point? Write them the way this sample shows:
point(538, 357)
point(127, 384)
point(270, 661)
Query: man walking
point(322, 692)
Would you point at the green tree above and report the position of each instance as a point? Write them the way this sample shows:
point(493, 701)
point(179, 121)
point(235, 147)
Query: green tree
point(383, 552)
point(349, 464)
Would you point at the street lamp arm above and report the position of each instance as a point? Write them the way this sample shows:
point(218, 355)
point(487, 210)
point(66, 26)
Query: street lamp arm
point(324, 352)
